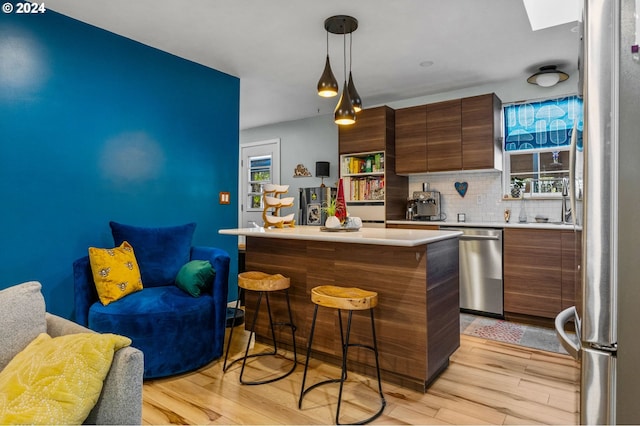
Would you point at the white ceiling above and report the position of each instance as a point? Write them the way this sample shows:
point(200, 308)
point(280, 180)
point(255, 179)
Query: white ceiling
point(277, 47)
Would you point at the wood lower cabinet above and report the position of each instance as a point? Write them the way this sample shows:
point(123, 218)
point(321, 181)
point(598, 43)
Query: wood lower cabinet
point(571, 255)
point(540, 271)
point(533, 272)
point(444, 136)
point(409, 226)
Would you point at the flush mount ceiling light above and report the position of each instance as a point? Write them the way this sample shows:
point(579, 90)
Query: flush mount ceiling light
point(350, 101)
point(548, 76)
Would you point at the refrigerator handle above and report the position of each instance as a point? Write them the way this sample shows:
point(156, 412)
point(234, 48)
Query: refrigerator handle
point(572, 175)
point(571, 346)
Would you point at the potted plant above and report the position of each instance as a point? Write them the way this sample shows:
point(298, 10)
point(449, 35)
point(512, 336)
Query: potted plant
point(330, 208)
point(516, 187)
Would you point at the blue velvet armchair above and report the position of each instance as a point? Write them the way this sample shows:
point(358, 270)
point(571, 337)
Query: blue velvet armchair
point(176, 331)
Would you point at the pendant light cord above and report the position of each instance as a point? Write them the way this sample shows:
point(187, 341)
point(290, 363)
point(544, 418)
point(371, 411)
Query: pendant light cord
point(327, 42)
point(350, 50)
point(344, 50)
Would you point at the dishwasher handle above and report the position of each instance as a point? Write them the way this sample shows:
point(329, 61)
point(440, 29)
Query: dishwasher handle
point(479, 237)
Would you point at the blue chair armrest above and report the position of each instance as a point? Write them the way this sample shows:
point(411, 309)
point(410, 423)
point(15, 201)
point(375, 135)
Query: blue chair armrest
point(220, 261)
point(85, 293)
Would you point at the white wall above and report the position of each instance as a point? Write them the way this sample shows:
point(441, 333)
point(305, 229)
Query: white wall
point(316, 139)
point(301, 142)
point(508, 91)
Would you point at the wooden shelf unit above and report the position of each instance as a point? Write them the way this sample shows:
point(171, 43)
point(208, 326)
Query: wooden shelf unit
point(373, 134)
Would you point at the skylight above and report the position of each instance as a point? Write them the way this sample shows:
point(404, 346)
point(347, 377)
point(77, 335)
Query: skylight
point(549, 13)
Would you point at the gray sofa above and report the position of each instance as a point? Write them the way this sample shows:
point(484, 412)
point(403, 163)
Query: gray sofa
point(23, 317)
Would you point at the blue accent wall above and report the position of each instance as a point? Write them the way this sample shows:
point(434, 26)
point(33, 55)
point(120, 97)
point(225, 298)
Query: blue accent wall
point(96, 127)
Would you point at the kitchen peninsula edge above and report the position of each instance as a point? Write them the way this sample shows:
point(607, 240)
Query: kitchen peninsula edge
point(426, 224)
point(414, 272)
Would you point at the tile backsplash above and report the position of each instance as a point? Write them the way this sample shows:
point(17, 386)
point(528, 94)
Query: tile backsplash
point(483, 200)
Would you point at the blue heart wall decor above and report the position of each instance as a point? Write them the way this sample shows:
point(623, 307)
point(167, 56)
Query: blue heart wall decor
point(462, 187)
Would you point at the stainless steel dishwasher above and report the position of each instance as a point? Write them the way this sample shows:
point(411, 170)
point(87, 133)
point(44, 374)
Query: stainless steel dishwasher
point(481, 287)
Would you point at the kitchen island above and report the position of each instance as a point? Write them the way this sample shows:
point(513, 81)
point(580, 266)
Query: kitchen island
point(415, 273)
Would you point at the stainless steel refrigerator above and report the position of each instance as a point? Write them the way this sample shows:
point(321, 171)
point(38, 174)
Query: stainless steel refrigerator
point(311, 201)
point(607, 311)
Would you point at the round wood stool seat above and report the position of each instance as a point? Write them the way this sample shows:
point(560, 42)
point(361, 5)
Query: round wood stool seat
point(348, 298)
point(261, 281)
point(263, 284)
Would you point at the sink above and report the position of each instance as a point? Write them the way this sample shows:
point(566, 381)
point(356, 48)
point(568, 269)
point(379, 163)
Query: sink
point(545, 221)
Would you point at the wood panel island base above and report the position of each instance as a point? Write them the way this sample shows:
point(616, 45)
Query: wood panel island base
point(415, 273)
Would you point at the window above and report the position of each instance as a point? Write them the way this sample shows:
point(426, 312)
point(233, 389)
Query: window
point(537, 143)
point(259, 173)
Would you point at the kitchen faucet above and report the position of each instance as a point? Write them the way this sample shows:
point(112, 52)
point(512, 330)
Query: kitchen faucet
point(566, 203)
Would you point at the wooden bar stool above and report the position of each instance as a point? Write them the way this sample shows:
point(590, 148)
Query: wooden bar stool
point(264, 284)
point(350, 299)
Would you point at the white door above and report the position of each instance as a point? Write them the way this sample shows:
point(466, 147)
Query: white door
point(259, 164)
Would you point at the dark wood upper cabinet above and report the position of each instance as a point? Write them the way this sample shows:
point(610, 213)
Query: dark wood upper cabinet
point(373, 130)
point(481, 148)
point(444, 136)
point(460, 134)
point(411, 140)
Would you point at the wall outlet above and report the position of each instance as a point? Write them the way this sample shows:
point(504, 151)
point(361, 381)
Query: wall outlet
point(479, 199)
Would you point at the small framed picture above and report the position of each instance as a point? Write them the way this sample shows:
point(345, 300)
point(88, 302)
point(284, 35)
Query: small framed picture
point(314, 215)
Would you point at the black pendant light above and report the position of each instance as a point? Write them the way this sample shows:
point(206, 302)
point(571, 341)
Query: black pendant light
point(345, 111)
point(327, 85)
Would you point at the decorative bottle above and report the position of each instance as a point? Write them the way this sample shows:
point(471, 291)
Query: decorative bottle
point(522, 217)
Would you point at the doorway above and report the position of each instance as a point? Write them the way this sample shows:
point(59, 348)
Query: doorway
point(259, 165)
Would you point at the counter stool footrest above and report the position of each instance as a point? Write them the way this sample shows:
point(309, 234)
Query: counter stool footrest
point(336, 303)
point(272, 325)
point(315, 385)
point(262, 382)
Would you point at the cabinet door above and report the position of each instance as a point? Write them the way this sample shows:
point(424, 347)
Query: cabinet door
point(532, 272)
point(370, 132)
point(444, 136)
point(480, 122)
point(411, 140)
point(570, 273)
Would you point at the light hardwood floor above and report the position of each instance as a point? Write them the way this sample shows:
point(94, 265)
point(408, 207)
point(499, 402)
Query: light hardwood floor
point(487, 382)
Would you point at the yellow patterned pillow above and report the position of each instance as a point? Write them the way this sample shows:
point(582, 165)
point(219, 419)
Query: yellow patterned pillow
point(57, 380)
point(115, 272)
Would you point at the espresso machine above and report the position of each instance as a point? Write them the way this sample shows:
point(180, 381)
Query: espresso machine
point(425, 205)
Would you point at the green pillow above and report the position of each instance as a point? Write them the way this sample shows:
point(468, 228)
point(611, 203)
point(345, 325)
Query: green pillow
point(195, 277)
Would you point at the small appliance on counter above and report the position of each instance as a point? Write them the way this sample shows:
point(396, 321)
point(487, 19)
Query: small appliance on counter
point(411, 209)
point(425, 205)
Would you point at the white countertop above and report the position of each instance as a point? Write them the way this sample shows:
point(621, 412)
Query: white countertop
point(512, 224)
point(377, 236)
